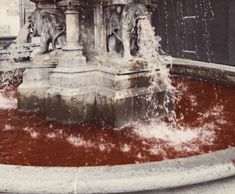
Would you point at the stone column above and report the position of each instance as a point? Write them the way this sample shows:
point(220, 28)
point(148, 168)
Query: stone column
point(100, 40)
point(72, 31)
point(71, 97)
point(72, 58)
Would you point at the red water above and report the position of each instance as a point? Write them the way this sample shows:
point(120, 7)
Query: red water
point(205, 115)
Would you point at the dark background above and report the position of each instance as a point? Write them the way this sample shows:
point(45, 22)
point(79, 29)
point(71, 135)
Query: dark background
point(197, 29)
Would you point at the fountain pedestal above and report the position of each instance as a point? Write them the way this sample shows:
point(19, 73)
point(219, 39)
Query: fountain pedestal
point(71, 97)
point(125, 93)
point(31, 93)
point(72, 33)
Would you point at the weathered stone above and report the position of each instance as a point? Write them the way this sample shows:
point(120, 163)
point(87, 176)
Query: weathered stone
point(112, 89)
point(119, 112)
point(50, 26)
point(70, 105)
point(205, 71)
point(31, 93)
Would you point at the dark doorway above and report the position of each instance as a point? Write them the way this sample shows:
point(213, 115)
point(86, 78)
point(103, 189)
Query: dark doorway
point(184, 26)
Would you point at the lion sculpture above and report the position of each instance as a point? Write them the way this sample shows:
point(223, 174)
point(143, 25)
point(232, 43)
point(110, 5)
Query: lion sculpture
point(50, 26)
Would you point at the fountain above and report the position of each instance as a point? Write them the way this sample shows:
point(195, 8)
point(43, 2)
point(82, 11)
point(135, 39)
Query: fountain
point(115, 121)
point(77, 84)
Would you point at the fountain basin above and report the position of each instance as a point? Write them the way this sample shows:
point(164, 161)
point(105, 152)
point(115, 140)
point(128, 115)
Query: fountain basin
point(205, 173)
point(50, 84)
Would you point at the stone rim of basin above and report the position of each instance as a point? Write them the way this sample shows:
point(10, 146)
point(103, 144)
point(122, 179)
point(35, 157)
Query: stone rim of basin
point(119, 179)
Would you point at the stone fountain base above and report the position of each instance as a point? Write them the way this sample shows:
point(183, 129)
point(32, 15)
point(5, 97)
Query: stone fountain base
point(31, 92)
point(125, 95)
point(116, 93)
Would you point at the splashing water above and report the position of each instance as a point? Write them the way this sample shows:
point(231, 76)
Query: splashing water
point(19, 49)
point(9, 80)
point(150, 48)
point(7, 103)
point(176, 136)
point(7, 100)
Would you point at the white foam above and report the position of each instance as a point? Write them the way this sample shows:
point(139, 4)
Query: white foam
point(175, 135)
point(51, 135)
point(125, 148)
point(32, 132)
point(78, 141)
point(104, 147)
point(7, 102)
point(8, 128)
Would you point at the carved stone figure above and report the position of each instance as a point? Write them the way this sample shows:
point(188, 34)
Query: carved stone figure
point(131, 13)
point(50, 26)
point(113, 27)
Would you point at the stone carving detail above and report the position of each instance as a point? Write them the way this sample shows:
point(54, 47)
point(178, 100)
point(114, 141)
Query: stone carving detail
point(70, 4)
point(121, 28)
point(50, 26)
point(113, 29)
point(130, 16)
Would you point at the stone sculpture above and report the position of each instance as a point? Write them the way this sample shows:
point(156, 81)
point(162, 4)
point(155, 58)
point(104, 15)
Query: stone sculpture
point(113, 28)
point(131, 13)
point(50, 26)
point(121, 28)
